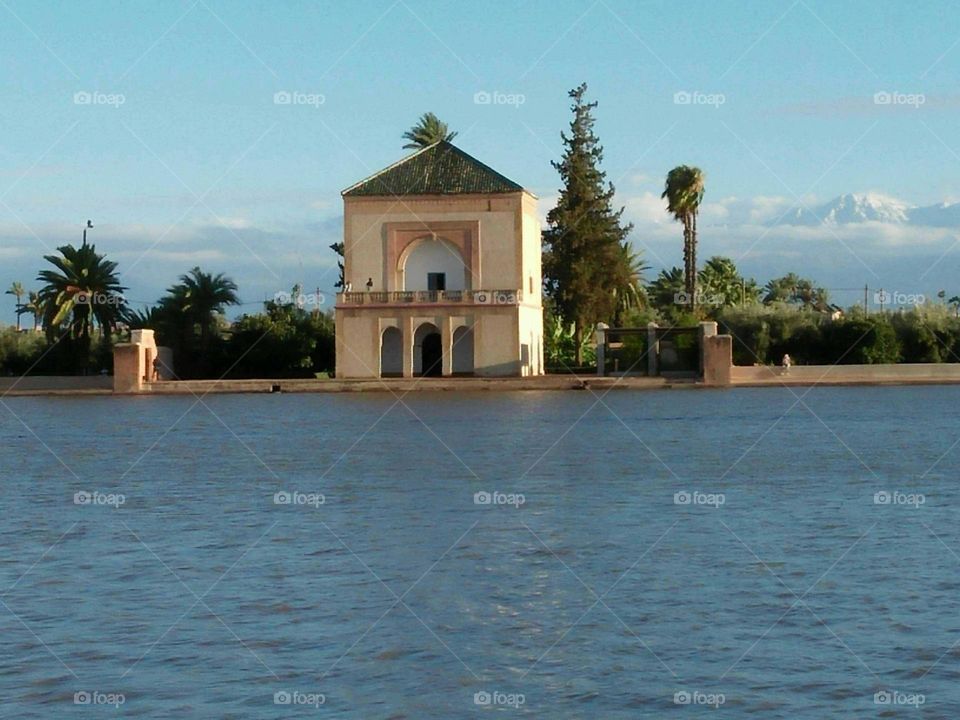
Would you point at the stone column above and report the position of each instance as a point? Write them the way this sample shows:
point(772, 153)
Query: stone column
point(446, 346)
point(717, 360)
point(600, 337)
point(653, 350)
point(708, 328)
point(406, 332)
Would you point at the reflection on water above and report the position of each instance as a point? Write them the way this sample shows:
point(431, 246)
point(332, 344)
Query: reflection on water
point(541, 554)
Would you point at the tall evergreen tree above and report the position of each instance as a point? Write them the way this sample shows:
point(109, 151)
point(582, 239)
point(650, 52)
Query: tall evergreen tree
point(585, 262)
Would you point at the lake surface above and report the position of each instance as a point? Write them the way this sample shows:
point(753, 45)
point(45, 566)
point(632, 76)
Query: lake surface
point(681, 552)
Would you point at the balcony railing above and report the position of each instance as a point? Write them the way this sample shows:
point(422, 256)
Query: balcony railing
point(431, 297)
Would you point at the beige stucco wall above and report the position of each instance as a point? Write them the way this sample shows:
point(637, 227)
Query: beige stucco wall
point(499, 218)
point(495, 337)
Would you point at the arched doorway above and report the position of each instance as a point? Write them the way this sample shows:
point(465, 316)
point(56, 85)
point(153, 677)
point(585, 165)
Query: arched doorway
point(427, 351)
point(463, 351)
point(391, 353)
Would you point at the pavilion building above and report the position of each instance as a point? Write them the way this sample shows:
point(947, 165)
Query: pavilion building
point(441, 272)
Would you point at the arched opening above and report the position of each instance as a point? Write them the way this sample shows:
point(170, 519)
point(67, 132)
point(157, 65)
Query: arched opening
point(391, 353)
point(427, 351)
point(433, 264)
point(463, 351)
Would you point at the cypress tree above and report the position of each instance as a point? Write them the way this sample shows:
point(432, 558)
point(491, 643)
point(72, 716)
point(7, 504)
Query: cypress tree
point(584, 262)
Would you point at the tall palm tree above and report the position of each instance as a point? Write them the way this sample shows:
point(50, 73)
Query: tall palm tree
point(684, 192)
point(16, 289)
point(201, 297)
point(429, 130)
point(85, 289)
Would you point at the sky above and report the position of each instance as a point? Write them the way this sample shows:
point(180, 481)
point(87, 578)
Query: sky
point(165, 124)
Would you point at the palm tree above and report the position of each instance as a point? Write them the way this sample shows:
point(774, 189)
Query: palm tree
point(666, 288)
point(16, 289)
point(201, 297)
point(684, 192)
point(721, 280)
point(630, 292)
point(85, 288)
point(429, 130)
point(34, 306)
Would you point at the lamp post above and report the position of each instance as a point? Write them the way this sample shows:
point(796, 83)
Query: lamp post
point(88, 226)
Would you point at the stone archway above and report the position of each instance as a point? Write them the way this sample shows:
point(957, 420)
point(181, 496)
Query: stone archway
point(427, 351)
point(391, 353)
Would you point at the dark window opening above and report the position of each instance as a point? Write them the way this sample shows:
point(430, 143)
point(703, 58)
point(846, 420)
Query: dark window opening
point(436, 281)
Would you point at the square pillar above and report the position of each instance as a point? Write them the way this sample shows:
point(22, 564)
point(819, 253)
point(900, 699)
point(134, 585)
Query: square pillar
point(406, 330)
point(653, 350)
point(446, 346)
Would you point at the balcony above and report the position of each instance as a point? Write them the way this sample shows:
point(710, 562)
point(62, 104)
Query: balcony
point(431, 297)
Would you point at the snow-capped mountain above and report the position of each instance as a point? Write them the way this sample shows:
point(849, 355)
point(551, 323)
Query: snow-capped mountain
point(873, 207)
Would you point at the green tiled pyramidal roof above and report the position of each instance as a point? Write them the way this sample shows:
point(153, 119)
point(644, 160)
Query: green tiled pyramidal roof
point(438, 169)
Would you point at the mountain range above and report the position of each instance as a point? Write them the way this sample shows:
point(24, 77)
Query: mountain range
point(855, 208)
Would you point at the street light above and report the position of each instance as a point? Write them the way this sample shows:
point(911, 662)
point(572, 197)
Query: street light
point(89, 226)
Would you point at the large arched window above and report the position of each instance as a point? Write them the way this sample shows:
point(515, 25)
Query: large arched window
point(434, 264)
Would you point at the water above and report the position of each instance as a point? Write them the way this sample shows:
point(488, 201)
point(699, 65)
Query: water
point(399, 597)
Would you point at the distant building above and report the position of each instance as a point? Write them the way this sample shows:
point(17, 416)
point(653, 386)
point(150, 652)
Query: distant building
point(441, 272)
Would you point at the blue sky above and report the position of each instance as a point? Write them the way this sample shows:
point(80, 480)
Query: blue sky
point(199, 165)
